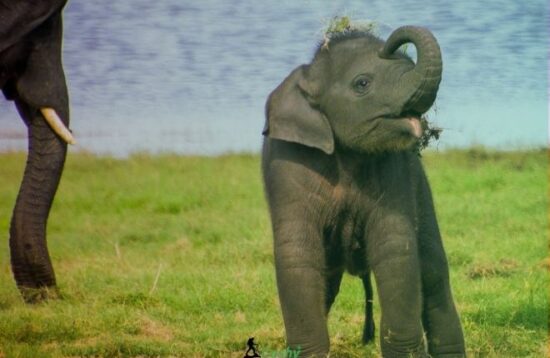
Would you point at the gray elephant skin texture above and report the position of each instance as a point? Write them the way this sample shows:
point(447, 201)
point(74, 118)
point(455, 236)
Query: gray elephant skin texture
point(31, 75)
point(347, 192)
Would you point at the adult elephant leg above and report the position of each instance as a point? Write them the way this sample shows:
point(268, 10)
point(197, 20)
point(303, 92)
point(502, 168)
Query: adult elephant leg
point(396, 269)
point(440, 318)
point(301, 286)
point(368, 329)
point(30, 260)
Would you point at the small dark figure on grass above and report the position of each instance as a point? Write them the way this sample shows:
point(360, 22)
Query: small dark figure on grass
point(251, 349)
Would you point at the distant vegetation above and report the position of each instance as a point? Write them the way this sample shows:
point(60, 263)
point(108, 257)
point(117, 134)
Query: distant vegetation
point(172, 256)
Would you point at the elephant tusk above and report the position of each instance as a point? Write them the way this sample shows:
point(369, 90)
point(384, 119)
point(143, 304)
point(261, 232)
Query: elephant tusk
point(57, 125)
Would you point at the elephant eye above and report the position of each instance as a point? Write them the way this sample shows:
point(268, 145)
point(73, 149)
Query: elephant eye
point(361, 84)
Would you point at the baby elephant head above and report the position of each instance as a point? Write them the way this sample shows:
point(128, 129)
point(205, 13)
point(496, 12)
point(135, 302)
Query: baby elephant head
point(359, 92)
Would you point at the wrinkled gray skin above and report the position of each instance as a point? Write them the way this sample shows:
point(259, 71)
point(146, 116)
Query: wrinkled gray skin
point(31, 74)
point(347, 192)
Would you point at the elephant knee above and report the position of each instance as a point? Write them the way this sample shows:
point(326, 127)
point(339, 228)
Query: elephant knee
point(395, 262)
point(403, 248)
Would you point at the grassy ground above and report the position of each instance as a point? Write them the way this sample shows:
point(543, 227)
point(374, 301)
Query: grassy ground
point(171, 256)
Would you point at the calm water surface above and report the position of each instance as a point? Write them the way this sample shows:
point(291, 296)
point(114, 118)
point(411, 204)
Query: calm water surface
point(168, 76)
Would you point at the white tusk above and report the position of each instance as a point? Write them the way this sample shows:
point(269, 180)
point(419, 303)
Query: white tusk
point(57, 125)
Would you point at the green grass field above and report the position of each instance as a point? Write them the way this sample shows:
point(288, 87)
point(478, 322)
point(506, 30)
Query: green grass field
point(172, 256)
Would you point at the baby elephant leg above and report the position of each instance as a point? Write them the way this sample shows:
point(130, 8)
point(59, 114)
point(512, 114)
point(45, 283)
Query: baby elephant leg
point(397, 272)
point(301, 285)
point(439, 316)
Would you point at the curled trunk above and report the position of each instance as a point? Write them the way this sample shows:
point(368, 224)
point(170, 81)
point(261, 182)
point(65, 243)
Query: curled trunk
point(422, 82)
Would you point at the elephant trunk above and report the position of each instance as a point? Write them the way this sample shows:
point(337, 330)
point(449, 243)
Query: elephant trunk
point(422, 82)
point(30, 260)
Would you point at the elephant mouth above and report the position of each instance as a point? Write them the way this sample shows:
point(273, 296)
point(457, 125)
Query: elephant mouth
point(410, 124)
point(414, 127)
point(393, 132)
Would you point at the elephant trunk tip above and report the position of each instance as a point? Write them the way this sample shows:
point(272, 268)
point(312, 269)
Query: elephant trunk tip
point(36, 295)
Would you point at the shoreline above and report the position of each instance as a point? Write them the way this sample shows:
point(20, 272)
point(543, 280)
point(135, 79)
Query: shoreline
point(433, 150)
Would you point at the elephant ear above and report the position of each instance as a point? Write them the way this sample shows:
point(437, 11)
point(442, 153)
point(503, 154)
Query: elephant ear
point(291, 117)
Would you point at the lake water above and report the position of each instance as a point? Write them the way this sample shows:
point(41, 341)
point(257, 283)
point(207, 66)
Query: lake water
point(193, 77)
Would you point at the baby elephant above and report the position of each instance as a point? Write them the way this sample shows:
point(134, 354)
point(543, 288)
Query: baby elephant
point(347, 191)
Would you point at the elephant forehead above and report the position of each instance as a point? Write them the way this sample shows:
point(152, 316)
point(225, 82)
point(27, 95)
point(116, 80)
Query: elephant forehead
point(355, 43)
point(358, 50)
point(347, 65)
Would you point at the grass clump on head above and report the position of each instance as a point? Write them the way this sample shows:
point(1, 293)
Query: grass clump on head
point(340, 26)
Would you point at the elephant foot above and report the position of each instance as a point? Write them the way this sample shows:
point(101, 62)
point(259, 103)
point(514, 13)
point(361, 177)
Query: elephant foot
point(458, 354)
point(37, 295)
